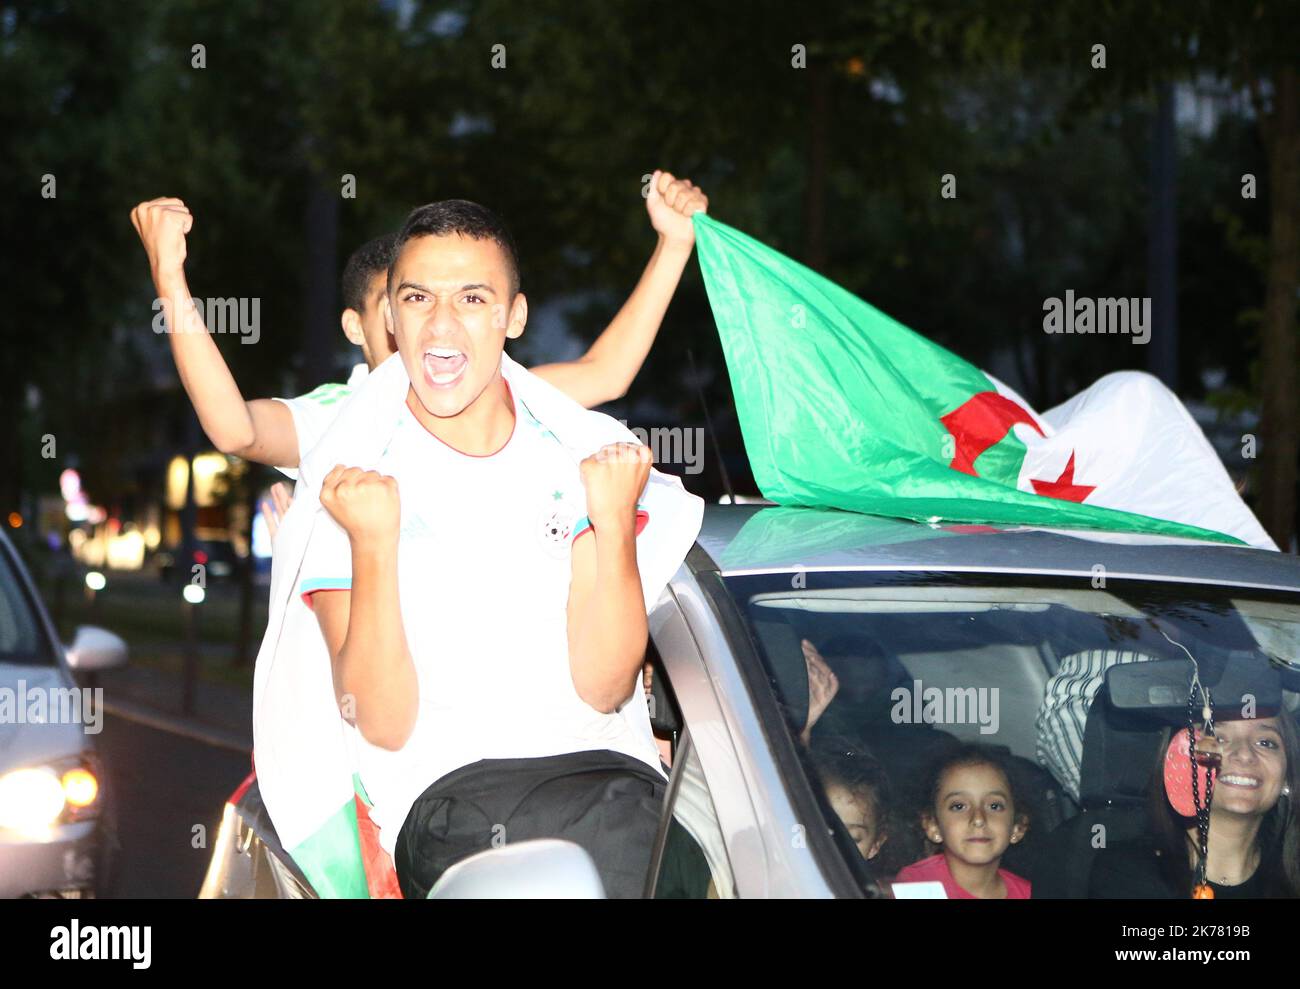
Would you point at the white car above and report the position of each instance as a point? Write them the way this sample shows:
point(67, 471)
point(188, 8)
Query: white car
point(57, 830)
point(933, 637)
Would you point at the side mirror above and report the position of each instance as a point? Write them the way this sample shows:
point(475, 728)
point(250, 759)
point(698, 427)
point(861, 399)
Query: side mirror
point(95, 649)
point(545, 868)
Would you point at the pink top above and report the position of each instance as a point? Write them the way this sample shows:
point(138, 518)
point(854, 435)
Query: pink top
point(935, 869)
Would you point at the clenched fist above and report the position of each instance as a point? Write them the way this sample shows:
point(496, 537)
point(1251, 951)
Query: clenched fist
point(363, 502)
point(671, 203)
point(162, 225)
point(613, 477)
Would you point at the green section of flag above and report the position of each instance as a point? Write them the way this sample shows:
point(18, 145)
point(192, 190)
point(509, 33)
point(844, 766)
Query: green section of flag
point(331, 858)
point(840, 405)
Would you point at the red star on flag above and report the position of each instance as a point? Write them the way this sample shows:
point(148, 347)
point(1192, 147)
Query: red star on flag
point(1064, 487)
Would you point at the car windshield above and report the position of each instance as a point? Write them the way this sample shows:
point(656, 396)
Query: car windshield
point(981, 736)
point(22, 641)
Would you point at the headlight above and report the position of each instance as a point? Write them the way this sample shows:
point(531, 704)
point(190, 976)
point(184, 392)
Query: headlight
point(31, 800)
point(34, 799)
point(80, 788)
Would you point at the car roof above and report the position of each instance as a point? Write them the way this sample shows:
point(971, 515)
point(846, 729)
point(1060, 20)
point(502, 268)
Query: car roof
point(760, 539)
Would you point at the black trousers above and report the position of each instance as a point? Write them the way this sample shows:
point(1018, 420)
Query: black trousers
point(606, 802)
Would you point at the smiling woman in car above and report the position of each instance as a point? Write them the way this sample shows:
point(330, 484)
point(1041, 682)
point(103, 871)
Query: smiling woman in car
point(1254, 838)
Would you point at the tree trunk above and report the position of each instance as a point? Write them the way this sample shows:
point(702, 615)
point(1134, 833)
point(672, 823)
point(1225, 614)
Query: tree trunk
point(1162, 246)
point(814, 249)
point(1279, 435)
point(12, 457)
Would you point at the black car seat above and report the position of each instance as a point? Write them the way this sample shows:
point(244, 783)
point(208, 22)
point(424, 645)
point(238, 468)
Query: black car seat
point(1119, 756)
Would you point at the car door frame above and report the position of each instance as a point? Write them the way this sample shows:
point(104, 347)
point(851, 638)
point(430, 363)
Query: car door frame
point(773, 849)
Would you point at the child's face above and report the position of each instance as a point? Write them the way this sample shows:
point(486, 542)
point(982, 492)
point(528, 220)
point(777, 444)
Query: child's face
point(973, 816)
point(858, 817)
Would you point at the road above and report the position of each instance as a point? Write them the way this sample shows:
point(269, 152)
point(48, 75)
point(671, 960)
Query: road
point(170, 790)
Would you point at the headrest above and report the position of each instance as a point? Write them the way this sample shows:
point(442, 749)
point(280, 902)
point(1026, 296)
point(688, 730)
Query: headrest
point(1119, 754)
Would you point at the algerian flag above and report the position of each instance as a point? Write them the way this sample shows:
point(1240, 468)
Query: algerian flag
point(841, 406)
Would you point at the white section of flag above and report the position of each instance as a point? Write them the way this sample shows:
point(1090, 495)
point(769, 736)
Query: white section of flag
point(1139, 447)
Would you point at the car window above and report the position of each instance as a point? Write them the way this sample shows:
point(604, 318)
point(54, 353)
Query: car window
point(21, 638)
point(1007, 732)
point(693, 863)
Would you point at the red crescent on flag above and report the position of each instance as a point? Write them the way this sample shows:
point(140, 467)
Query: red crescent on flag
point(981, 421)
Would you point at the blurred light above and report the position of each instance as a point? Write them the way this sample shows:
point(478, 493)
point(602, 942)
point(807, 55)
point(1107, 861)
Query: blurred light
point(80, 788)
point(193, 593)
point(114, 526)
point(207, 468)
point(200, 556)
point(31, 800)
point(96, 514)
point(15, 520)
point(261, 537)
point(95, 580)
point(69, 484)
point(178, 478)
point(126, 552)
point(76, 539)
point(152, 535)
point(77, 511)
point(855, 66)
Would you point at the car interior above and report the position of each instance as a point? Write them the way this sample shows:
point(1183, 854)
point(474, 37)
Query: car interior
point(879, 644)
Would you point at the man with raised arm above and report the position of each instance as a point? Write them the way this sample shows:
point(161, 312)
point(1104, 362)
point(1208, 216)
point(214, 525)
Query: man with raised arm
point(278, 432)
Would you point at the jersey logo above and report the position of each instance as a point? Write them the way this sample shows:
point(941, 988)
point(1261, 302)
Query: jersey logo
point(554, 525)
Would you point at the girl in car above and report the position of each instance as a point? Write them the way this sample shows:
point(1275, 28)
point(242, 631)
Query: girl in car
point(973, 816)
point(1254, 838)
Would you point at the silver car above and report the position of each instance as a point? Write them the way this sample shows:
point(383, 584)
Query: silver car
point(57, 834)
point(812, 668)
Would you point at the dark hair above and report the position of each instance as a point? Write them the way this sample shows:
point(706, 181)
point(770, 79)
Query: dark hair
point(370, 259)
point(973, 755)
point(1279, 832)
point(862, 774)
point(460, 216)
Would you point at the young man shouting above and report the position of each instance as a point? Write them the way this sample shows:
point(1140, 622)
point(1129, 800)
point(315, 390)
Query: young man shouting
point(481, 592)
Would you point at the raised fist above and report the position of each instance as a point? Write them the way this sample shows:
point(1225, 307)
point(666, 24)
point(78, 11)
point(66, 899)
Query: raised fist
point(671, 203)
point(162, 225)
point(363, 502)
point(613, 477)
